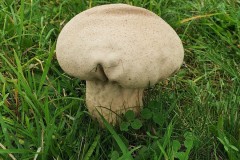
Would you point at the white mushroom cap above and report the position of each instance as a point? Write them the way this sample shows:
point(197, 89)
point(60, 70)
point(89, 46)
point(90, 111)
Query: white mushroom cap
point(119, 50)
point(128, 45)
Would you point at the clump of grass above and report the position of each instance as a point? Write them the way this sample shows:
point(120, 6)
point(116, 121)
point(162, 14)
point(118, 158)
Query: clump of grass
point(194, 114)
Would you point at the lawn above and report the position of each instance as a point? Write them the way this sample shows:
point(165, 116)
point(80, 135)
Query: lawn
point(195, 114)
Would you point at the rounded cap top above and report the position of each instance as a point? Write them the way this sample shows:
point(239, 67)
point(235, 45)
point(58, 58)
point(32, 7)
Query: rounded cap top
point(119, 43)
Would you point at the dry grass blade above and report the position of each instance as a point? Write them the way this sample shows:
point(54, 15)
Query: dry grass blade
point(198, 17)
point(10, 155)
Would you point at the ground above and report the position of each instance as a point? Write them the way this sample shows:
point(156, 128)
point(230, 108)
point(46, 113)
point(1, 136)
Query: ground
point(195, 114)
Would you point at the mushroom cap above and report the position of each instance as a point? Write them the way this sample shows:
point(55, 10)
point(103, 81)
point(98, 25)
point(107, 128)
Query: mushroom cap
point(119, 43)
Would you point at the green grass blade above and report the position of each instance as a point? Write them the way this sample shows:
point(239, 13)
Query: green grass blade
point(92, 148)
point(162, 151)
point(5, 131)
point(8, 151)
point(119, 141)
point(46, 68)
point(129, 153)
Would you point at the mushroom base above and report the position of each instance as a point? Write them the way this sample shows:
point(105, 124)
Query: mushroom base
point(111, 100)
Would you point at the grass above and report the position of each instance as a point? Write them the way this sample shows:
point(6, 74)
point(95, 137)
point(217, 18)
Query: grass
point(194, 114)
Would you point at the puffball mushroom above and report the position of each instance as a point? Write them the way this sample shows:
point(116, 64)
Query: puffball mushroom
point(119, 50)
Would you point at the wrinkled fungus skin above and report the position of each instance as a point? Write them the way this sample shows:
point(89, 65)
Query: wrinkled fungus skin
point(119, 50)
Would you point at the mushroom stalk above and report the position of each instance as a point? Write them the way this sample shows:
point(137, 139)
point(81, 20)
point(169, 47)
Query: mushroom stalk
point(111, 100)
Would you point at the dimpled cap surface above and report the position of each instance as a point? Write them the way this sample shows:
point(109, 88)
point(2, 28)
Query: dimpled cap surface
point(119, 43)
